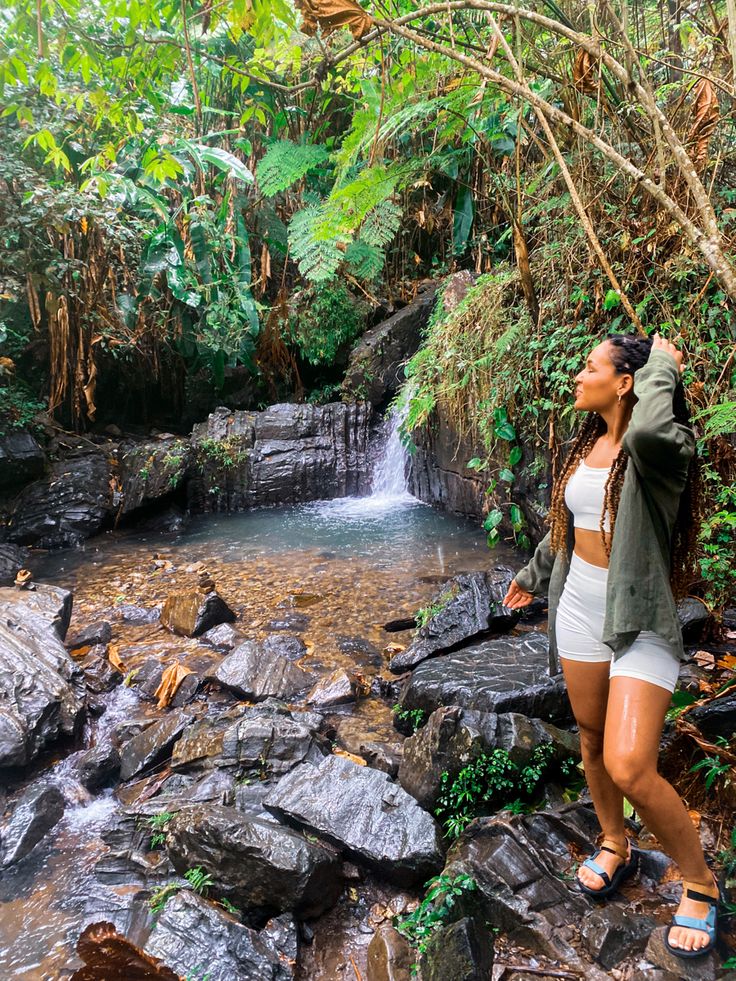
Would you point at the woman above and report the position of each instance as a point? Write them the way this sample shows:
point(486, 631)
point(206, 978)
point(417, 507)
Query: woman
point(623, 522)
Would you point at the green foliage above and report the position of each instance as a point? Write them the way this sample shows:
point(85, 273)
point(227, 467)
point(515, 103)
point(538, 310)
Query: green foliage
point(160, 897)
point(285, 163)
point(493, 781)
point(412, 718)
point(199, 880)
point(728, 858)
point(437, 908)
point(718, 550)
point(327, 321)
point(227, 453)
point(426, 613)
point(196, 879)
point(159, 824)
point(18, 407)
point(714, 768)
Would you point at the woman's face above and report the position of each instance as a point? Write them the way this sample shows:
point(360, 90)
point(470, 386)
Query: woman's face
point(598, 385)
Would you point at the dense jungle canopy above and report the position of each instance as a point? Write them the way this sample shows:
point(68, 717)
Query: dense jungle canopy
point(209, 201)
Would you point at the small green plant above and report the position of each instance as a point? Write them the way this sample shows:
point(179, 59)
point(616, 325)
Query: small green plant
point(161, 896)
point(226, 453)
point(199, 880)
point(434, 910)
point(145, 472)
point(159, 825)
point(718, 551)
point(228, 906)
point(714, 767)
point(413, 718)
point(427, 613)
point(728, 858)
point(493, 781)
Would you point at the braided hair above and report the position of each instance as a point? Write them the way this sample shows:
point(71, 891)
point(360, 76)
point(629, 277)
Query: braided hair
point(628, 353)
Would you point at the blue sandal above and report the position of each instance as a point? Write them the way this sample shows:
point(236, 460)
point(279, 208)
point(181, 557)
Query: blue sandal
point(708, 925)
point(611, 882)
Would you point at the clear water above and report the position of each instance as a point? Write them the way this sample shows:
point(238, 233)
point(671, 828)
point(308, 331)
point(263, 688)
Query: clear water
point(347, 566)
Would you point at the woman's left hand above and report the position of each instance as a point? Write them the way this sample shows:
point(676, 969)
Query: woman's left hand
point(660, 343)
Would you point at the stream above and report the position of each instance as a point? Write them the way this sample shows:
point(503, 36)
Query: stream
point(333, 572)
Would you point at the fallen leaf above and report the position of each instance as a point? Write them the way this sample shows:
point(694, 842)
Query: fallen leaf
point(705, 659)
point(108, 956)
point(114, 658)
point(350, 756)
point(170, 681)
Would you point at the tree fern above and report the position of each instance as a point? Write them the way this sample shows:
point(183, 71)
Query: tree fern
point(381, 224)
point(318, 255)
point(718, 420)
point(285, 162)
point(366, 261)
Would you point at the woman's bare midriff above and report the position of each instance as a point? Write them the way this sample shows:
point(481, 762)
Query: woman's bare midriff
point(589, 547)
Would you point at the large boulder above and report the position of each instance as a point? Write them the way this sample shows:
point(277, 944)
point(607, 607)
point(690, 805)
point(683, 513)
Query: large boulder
point(364, 812)
point(453, 736)
point(466, 606)
point(509, 674)
point(35, 813)
point(21, 459)
point(255, 671)
point(460, 951)
point(257, 864)
point(285, 454)
point(192, 612)
point(13, 558)
point(41, 688)
point(150, 471)
point(64, 508)
point(376, 367)
point(196, 939)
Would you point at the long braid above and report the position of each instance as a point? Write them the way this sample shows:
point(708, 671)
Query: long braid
point(590, 430)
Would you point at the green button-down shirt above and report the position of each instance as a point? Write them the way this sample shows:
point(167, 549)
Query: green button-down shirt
point(638, 593)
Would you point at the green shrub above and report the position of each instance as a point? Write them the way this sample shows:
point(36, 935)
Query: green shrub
point(329, 318)
point(435, 910)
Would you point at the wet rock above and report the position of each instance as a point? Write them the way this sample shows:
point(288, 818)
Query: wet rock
point(285, 645)
point(253, 671)
point(285, 454)
point(376, 366)
point(462, 951)
point(290, 621)
point(258, 865)
point(99, 632)
point(137, 614)
point(153, 745)
point(100, 676)
point(50, 604)
point(693, 616)
point(148, 676)
point(265, 739)
point(336, 689)
point(389, 956)
point(13, 558)
point(99, 766)
point(509, 674)
point(467, 605)
point(197, 939)
point(223, 637)
point(41, 689)
point(717, 717)
point(192, 613)
point(64, 508)
point(35, 813)
point(362, 811)
point(21, 459)
point(283, 934)
point(700, 969)
point(518, 866)
point(172, 521)
point(150, 472)
point(611, 934)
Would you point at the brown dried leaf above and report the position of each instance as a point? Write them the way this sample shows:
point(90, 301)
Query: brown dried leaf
point(170, 681)
point(706, 113)
point(705, 659)
point(585, 73)
point(114, 658)
point(331, 15)
point(108, 956)
point(350, 756)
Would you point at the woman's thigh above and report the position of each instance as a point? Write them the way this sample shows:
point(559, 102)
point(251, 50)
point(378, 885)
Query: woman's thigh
point(587, 687)
point(634, 720)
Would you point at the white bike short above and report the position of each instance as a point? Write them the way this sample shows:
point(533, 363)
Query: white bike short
point(579, 627)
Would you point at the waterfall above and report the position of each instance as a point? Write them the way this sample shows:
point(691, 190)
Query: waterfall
point(389, 474)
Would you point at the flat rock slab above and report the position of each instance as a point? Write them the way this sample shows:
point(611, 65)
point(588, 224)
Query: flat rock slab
point(255, 671)
point(152, 745)
point(258, 864)
point(509, 674)
point(467, 605)
point(364, 812)
point(196, 939)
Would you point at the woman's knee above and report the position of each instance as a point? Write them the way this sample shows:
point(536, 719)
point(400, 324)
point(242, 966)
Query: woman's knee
point(591, 741)
point(631, 774)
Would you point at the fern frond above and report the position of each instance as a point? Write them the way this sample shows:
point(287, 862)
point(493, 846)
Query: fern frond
point(381, 224)
point(718, 420)
point(284, 163)
point(366, 261)
point(318, 256)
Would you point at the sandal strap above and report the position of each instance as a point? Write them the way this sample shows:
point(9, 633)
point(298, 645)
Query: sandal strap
point(608, 845)
point(707, 925)
point(701, 897)
point(589, 863)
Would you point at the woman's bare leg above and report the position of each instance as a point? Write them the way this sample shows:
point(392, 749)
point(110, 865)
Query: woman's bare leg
point(634, 720)
point(587, 686)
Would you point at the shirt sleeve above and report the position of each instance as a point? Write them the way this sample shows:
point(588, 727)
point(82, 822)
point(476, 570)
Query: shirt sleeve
point(658, 445)
point(534, 577)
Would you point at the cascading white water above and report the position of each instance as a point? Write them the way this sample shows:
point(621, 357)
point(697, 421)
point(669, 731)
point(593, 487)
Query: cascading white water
point(389, 475)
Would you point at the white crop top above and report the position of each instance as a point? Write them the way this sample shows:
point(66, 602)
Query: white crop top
point(584, 496)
